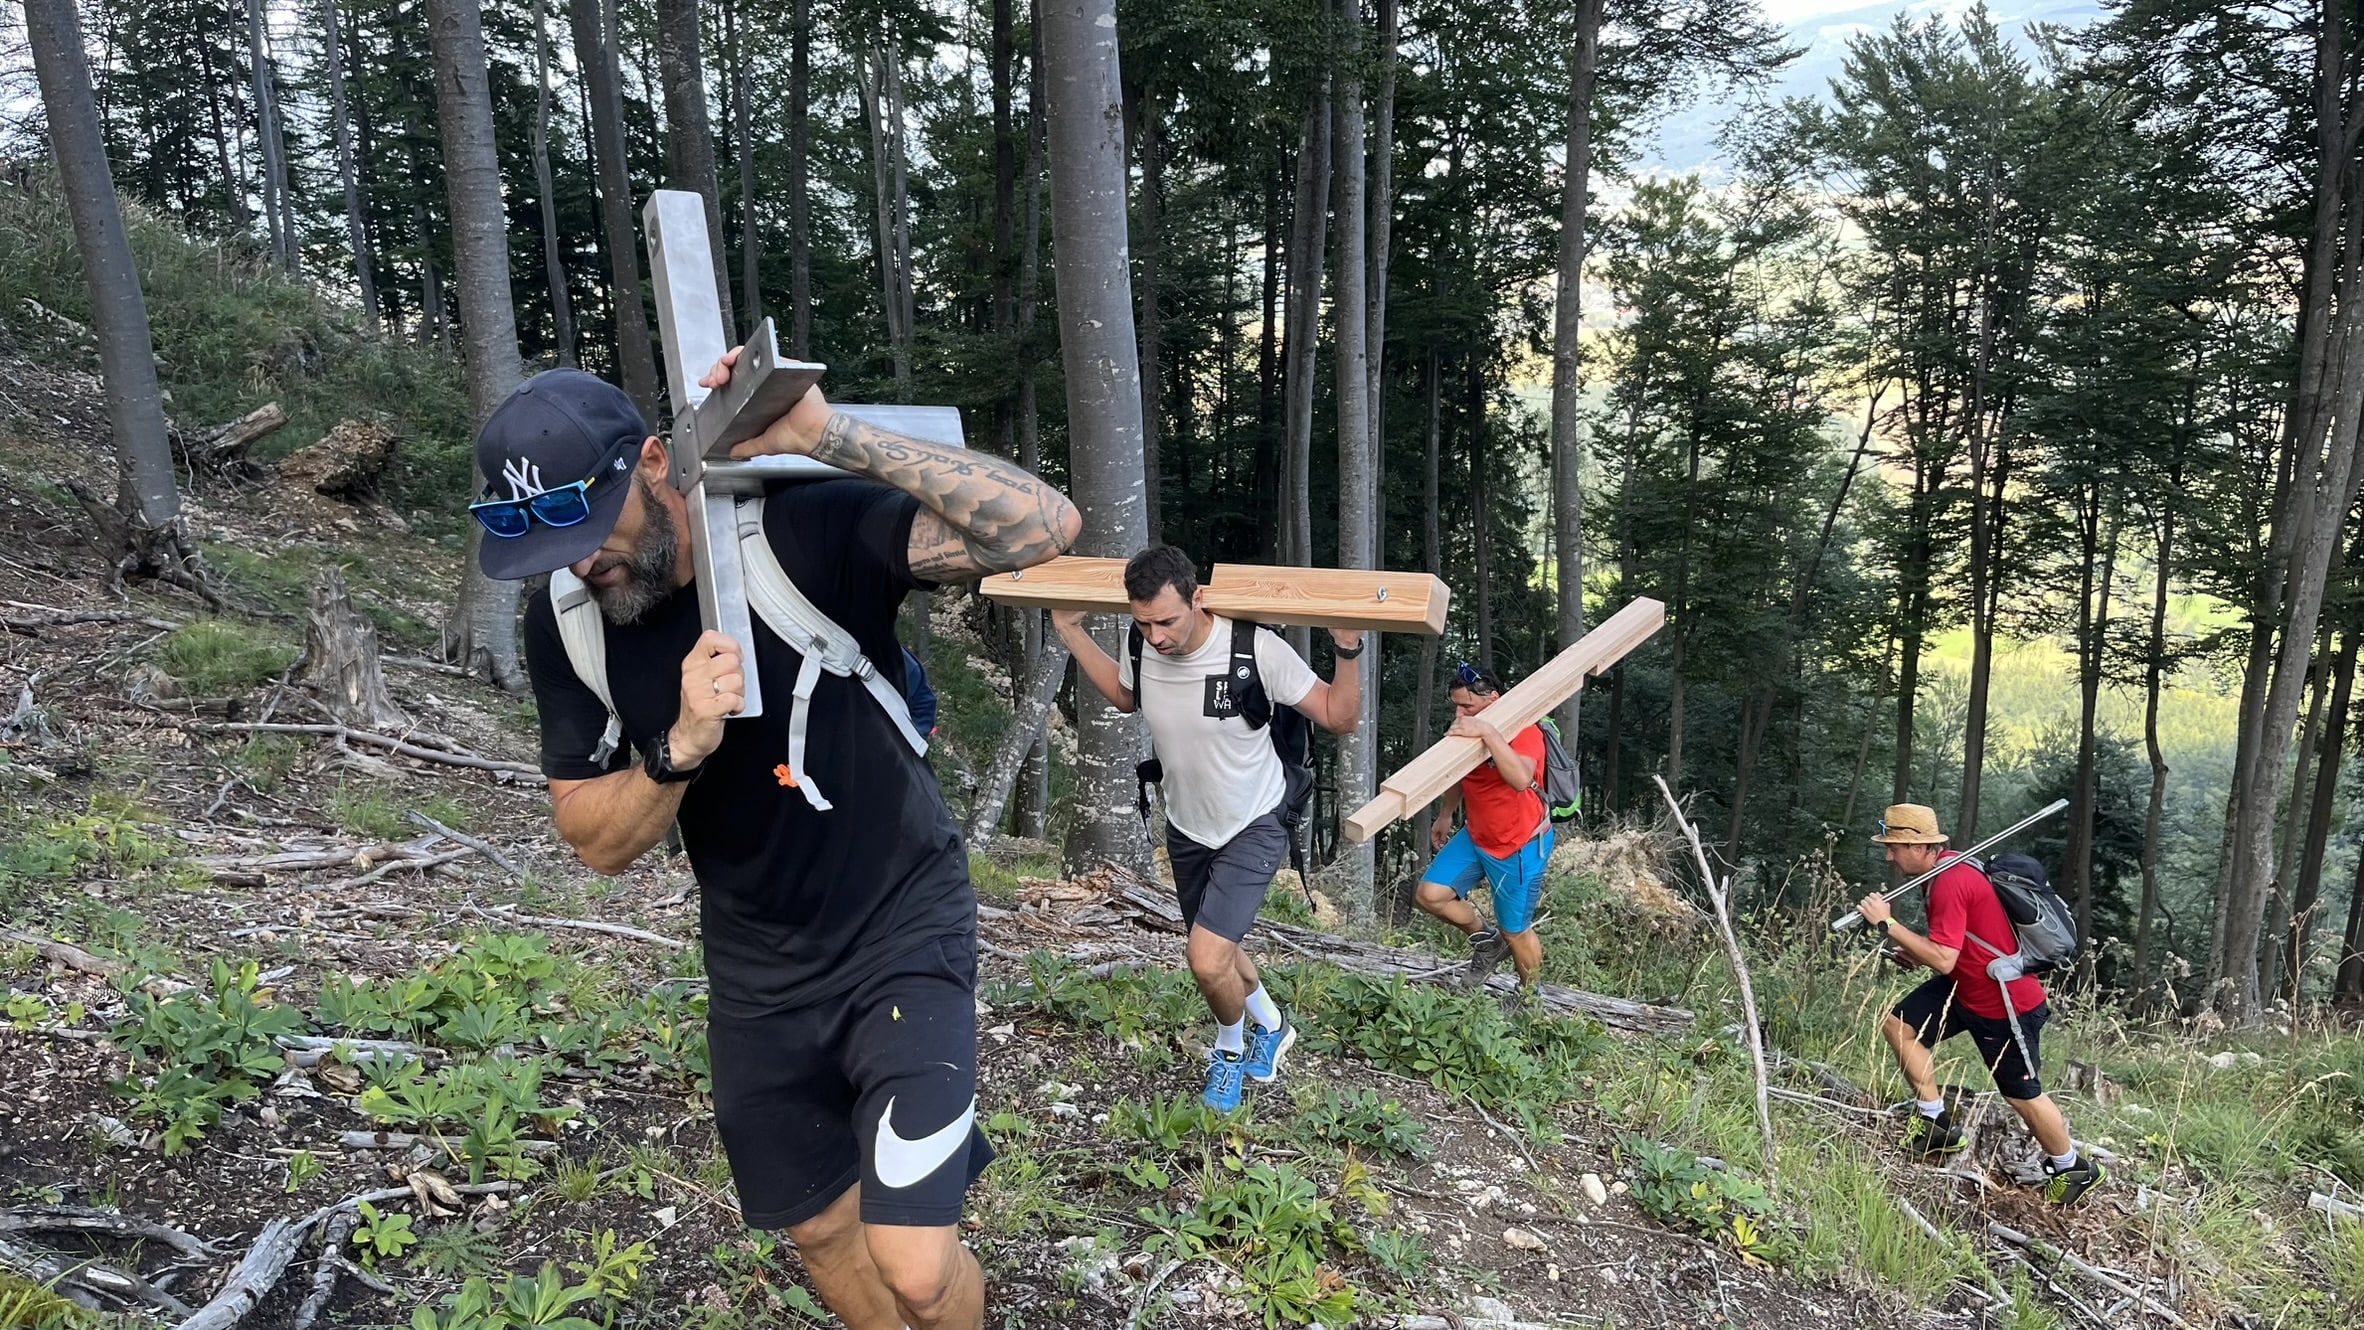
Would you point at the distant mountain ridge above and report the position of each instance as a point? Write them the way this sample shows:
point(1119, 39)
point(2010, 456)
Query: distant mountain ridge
point(1686, 140)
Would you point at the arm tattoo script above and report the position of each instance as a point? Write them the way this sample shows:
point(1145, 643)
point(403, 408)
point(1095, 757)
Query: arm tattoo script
point(983, 514)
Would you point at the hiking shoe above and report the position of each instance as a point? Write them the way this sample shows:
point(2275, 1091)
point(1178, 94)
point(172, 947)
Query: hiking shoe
point(1487, 950)
point(1226, 1078)
point(1928, 1136)
point(2070, 1184)
point(1266, 1048)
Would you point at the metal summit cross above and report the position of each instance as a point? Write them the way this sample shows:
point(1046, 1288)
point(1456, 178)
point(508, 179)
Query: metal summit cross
point(707, 424)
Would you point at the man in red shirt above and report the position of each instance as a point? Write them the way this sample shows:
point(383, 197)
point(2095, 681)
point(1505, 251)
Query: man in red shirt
point(1968, 928)
point(1505, 845)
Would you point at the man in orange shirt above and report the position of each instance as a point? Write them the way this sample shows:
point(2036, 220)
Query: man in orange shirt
point(1506, 843)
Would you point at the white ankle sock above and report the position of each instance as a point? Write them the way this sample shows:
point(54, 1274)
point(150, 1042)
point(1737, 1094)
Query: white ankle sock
point(2063, 1163)
point(1263, 1010)
point(1231, 1038)
point(1931, 1108)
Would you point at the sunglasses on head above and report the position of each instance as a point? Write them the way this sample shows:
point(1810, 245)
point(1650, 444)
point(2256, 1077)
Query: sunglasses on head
point(564, 506)
point(1472, 678)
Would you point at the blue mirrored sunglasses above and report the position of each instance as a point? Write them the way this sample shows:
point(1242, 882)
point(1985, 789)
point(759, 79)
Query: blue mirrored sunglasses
point(1471, 677)
point(566, 505)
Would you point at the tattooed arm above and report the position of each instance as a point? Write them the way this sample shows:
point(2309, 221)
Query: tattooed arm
point(981, 514)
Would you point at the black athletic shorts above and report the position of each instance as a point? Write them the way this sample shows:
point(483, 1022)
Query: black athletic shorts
point(1937, 1016)
point(877, 1086)
point(1221, 888)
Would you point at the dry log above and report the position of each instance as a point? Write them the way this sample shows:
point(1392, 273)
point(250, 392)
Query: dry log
point(347, 463)
point(258, 1273)
point(1418, 783)
point(1153, 905)
point(341, 659)
point(418, 818)
point(1382, 601)
point(308, 1050)
point(62, 953)
point(221, 451)
point(30, 625)
point(1041, 685)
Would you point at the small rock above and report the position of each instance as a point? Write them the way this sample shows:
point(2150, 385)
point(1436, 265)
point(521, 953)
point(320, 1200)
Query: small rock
point(1609, 1275)
point(1003, 1031)
point(1063, 1109)
point(1595, 1190)
point(2224, 1061)
point(1491, 1309)
point(1521, 1239)
point(668, 1216)
point(1616, 1189)
point(1552, 1273)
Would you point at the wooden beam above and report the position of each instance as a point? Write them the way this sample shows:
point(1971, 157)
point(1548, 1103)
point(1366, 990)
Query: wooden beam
point(1384, 601)
point(1421, 780)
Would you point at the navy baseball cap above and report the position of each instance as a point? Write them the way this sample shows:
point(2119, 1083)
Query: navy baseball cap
point(555, 429)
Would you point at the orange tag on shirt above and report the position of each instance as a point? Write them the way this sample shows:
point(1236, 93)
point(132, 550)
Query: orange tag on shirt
point(787, 777)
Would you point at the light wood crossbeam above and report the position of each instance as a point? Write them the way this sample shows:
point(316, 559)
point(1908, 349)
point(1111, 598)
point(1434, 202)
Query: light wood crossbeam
point(1419, 782)
point(1388, 602)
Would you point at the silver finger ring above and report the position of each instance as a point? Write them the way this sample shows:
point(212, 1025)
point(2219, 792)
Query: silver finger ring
point(718, 687)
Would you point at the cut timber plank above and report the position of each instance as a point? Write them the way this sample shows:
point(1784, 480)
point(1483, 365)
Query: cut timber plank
point(1420, 781)
point(1385, 601)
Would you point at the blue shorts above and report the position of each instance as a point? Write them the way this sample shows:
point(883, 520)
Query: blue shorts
point(1517, 881)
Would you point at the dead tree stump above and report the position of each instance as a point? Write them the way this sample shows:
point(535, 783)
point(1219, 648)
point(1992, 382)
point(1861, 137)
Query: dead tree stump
point(348, 463)
point(341, 660)
point(222, 450)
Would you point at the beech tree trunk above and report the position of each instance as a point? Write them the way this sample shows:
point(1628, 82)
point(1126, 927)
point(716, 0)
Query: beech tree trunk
point(1308, 239)
point(689, 132)
point(278, 215)
point(882, 107)
point(1358, 753)
point(2153, 820)
point(2307, 894)
point(356, 225)
point(1097, 347)
point(595, 54)
point(800, 241)
point(1034, 778)
point(148, 535)
point(1567, 396)
point(562, 309)
point(750, 235)
point(482, 631)
point(1151, 120)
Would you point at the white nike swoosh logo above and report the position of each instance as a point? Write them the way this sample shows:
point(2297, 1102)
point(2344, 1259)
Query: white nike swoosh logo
point(902, 1163)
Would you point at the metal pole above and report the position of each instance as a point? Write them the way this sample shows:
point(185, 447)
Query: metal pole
point(1851, 919)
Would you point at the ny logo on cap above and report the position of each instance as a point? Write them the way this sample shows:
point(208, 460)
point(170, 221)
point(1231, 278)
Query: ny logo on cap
point(524, 477)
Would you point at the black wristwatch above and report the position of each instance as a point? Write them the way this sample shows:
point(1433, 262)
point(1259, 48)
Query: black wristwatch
point(658, 762)
point(1346, 653)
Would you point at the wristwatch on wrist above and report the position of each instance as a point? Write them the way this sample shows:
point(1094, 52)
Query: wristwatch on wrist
point(658, 762)
point(1346, 653)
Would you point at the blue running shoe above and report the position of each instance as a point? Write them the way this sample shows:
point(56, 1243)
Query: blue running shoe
point(1266, 1048)
point(1226, 1079)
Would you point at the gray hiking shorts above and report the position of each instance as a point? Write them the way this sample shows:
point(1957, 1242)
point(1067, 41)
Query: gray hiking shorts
point(1221, 887)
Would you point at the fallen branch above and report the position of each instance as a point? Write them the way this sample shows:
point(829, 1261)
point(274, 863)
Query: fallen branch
point(401, 747)
point(507, 915)
point(309, 1050)
point(276, 1245)
point(2085, 1268)
point(403, 1140)
point(417, 818)
point(30, 625)
point(1823, 1101)
point(324, 1275)
point(63, 953)
point(2333, 1207)
point(60, 1272)
point(1994, 1291)
point(427, 865)
point(1718, 893)
point(82, 1219)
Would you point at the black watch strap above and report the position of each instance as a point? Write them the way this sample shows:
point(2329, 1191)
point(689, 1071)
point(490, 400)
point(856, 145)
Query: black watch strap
point(1346, 653)
point(658, 762)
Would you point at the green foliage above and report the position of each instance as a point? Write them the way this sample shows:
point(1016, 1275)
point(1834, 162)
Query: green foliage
point(107, 838)
point(382, 1235)
point(1363, 1119)
point(211, 657)
point(1167, 1124)
point(1144, 1008)
point(1275, 1227)
point(1460, 1042)
point(544, 1301)
point(302, 1167)
point(1675, 1188)
point(25, 1305)
point(195, 1051)
point(491, 1104)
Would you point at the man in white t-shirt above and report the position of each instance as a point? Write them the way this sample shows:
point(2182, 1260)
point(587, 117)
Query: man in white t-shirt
point(1224, 784)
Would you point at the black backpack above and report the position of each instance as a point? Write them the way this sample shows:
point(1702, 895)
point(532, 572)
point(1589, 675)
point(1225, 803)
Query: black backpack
point(1563, 794)
point(1290, 731)
point(2046, 926)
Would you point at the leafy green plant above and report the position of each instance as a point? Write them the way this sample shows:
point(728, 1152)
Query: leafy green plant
point(1675, 1188)
point(613, 1272)
point(302, 1167)
point(1362, 1118)
point(1164, 1123)
point(1275, 1226)
point(382, 1234)
point(197, 1050)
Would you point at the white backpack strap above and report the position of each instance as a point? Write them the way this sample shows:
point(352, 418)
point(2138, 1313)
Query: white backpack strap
point(584, 631)
point(815, 636)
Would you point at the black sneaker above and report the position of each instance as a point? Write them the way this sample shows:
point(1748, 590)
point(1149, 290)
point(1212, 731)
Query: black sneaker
point(1487, 950)
point(1931, 1136)
point(2069, 1185)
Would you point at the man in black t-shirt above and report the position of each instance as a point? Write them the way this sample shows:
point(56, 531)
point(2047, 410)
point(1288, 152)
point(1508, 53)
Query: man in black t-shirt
point(840, 933)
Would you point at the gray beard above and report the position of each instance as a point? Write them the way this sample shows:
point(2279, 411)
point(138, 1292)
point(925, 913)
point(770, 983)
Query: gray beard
point(648, 572)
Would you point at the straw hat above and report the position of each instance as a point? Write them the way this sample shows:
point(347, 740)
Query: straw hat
point(1909, 824)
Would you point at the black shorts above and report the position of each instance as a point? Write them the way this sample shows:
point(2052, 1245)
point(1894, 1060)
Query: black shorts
point(1936, 1016)
point(1222, 887)
point(877, 1086)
